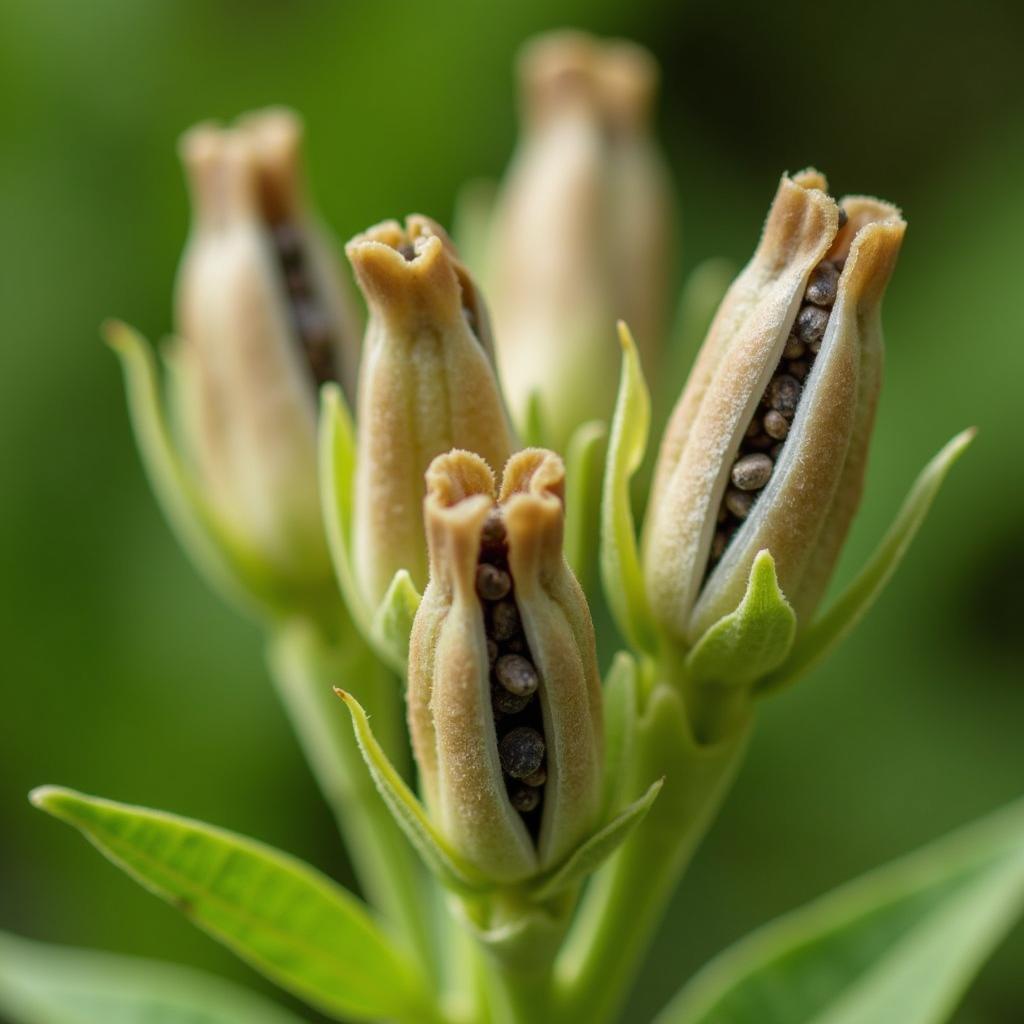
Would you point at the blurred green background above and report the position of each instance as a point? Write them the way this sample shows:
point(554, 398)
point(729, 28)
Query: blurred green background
point(124, 676)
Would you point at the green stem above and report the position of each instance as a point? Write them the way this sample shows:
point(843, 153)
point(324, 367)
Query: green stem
point(306, 665)
point(626, 900)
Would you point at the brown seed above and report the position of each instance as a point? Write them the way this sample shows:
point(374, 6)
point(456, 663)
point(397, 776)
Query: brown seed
point(718, 545)
point(517, 674)
point(823, 285)
point(492, 583)
point(507, 703)
point(843, 217)
point(739, 503)
point(754, 429)
point(492, 534)
point(784, 393)
point(751, 472)
point(521, 752)
point(504, 621)
point(492, 651)
point(538, 778)
point(794, 349)
point(810, 326)
point(798, 368)
point(776, 425)
point(524, 799)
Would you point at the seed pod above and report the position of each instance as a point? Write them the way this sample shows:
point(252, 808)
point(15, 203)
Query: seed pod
point(427, 384)
point(450, 711)
point(804, 511)
point(258, 269)
point(582, 229)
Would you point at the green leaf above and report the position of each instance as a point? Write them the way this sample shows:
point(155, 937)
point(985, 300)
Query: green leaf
point(821, 638)
point(621, 574)
point(620, 720)
point(593, 852)
point(583, 465)
point(410, 814)
point(534, 427)
point(229, 565)
point(392, 622)
point(42, 984)
point(337, 454)
point(737, 650)
point(284, 918)
point(899, 946)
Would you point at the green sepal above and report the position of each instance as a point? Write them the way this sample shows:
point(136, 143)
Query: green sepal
point(823, 636)
point(620, 721)
point(621, 573)
point(230, 566)
point(534, 426)
point(584, 462)
point(737, 650)
point(898, 946)
point(392, 622)
point(284, 918)
point(44, 984)
point(593, 852)
point(441, 860)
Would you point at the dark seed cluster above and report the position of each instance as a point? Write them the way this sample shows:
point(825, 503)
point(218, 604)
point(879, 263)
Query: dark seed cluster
point(308, 318)
point(765, 436)
point(514, 678)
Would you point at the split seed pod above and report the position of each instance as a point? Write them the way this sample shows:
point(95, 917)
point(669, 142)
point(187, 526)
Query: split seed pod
point(263, 319)
point(427, 384)
point(813, 292)
point(582, 230)
point(464, 763)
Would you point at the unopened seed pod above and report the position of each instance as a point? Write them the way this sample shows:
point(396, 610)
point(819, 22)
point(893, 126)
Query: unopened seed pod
point(263, 318)
point(582, 231)
point(473, 768)
point(802, 506)
point(427, 384)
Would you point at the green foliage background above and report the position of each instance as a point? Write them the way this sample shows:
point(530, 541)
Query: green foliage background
point(124, 676)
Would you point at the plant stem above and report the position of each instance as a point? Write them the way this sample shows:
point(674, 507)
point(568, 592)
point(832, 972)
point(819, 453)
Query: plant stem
point(626, 899)
point(306, 664)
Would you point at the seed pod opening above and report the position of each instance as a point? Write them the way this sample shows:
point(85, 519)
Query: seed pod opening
point(779, 406)
point(508, 747)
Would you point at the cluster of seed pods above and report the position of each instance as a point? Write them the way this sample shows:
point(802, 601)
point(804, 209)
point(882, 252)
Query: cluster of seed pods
point(308, 318)
point(767, 432)
point(514, 678)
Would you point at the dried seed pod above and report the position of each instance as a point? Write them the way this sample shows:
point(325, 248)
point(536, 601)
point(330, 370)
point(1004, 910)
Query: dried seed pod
point(427, 383)
point(450, 692)
point(252, 349)
point(803, 513)
point(582, 228)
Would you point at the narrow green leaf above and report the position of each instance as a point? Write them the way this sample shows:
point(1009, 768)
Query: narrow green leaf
point(231, 568)
point(284, 918)
point(621, 574)
point(736, 651)
point(392, 622)
point(337, 453)
point(898, 946)
point(534, 427)
point(583, 465)
point(821, 638)
point(593, 852)
point(43, 984)
point(620, 717)
point(410, 814)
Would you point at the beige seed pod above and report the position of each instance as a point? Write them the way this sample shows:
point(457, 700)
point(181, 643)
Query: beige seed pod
point(427, 384)
point(450, 713)
point(804, 512)
point(582, 231)
point(263, 318)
